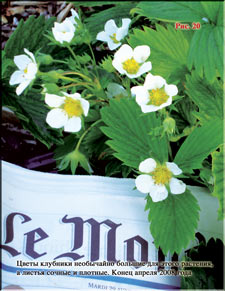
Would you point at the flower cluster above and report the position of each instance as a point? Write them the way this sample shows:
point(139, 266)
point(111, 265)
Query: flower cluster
point(68, 110)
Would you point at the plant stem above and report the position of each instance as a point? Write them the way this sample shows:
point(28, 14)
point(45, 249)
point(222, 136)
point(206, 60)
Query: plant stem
point(86, 131)
point(73, 54)
point(58, 61)
point(79, 74)
point(76, 84)
point(93, 56)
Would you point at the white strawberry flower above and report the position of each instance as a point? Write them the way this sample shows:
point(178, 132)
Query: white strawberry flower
point(112, 34)
point(154, 94)
point(156, 178)
point(132, 61)
point(63, 32)
point(66, 111)
point(27, 71)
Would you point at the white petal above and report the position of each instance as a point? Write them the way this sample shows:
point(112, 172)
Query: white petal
point(67, 26)
point(72, 18)
point(112, 45)
point(75, 96)
point(85, 105)
point(124, 53)
point(31, 71)
point(54, 100)
point(121, 33)
point(171, 90)
point(149, 79)
point(125, 23)
point(149, 108)
point(147, 165)
point(177, 186)
point(22, 87)
point(154, 82)
point(103, 36)
point(30, 54)
point(57, 35)
point(141, 53)
point(56, 118)
point(173, 168)
point(73, 124)
point(144, 183)
point(142, 96)
point(67, 37)
point(22, 61)
point(158, 193)
point(16, 78)
point(118, 66)
point(74, 13)
point(110, 27)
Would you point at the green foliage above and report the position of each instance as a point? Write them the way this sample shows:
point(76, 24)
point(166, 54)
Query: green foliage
point(32, 113)
point(218, 174)
point(106, 64)
point(29, 35)
point(173, 221)
point(96, 22)
point(169, 49)
point(171, 11)
point(199, 144)
point(205, 278)
point(128, 128)
point(206, 52)
point(208, 98)
point(206, 48)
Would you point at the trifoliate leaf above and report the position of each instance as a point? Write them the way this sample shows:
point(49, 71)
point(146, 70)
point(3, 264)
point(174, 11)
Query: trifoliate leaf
point(218, 174)
point(199, 144)
point(173, 221)
point(128, 128)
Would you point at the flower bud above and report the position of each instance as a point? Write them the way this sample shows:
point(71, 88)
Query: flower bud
point(45, 59)
point(169, 125)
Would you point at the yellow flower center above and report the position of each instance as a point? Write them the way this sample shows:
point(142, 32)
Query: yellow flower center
point(73, 107)
point(25, 70)
point(131, 66)
point(161, 175)
point(113, 38)
point(157, 97)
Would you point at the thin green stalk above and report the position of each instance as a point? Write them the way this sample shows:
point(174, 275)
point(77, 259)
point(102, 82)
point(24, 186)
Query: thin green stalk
point(93, 56)
point(86, 131)
point(58, 61)
point(73, 54)
point(79, 74)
